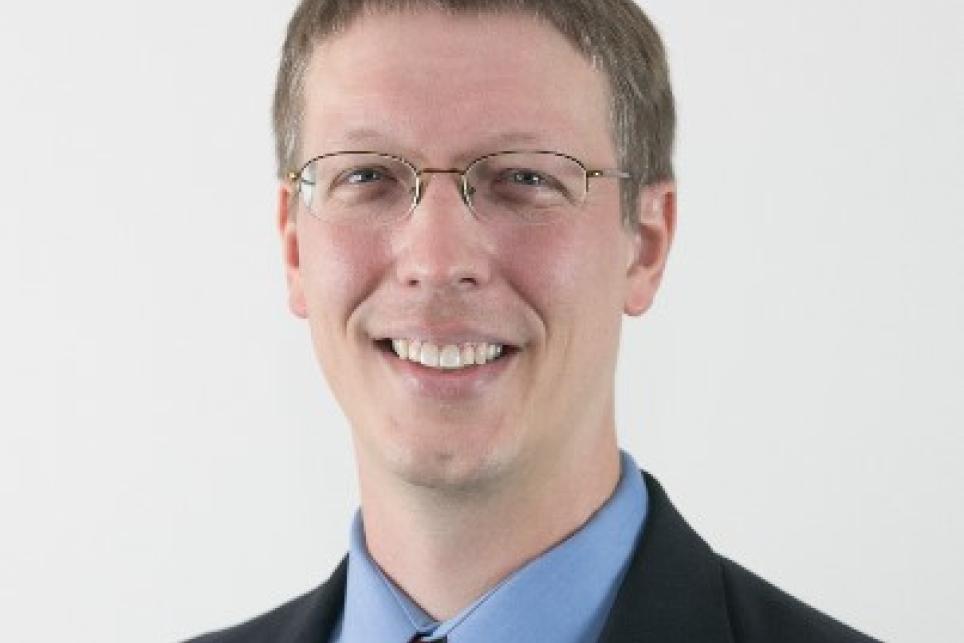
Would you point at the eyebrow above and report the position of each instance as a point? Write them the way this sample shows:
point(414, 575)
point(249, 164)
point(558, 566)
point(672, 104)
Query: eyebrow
point(491, 143)
point(364, 134)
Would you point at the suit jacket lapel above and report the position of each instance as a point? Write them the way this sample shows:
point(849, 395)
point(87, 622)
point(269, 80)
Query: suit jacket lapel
point(673, 590)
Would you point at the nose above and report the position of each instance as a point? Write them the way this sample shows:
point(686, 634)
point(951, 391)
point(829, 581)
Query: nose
point(441, 245)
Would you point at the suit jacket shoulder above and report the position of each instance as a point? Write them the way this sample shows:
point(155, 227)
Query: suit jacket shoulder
point(761, 612)
point(677, 590)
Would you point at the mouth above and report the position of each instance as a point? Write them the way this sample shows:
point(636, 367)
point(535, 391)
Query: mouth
point(463, 356)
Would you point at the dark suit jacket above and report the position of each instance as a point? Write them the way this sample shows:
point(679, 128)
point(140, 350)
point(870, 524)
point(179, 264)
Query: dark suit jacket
point(677, 590)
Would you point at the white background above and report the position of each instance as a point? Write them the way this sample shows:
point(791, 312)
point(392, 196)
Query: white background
point(170, 460)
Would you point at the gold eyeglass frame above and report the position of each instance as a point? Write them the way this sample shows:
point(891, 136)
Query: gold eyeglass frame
point(295, 177)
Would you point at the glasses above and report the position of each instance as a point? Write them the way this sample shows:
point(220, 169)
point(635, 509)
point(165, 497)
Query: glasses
point(371, 188)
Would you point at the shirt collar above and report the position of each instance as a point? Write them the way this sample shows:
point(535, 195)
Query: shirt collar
point(562, 595)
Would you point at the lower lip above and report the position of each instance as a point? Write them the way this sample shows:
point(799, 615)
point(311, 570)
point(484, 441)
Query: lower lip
point(449, 384)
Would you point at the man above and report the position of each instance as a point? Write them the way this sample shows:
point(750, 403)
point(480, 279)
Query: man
point(473, 195)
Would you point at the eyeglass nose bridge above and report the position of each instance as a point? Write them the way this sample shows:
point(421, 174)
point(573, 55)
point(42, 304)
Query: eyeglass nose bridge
point(465, 190)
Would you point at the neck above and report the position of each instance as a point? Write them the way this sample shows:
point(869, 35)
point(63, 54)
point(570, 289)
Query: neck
point(447, 548)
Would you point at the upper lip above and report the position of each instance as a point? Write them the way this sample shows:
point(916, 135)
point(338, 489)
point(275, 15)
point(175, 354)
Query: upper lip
point(442, 334)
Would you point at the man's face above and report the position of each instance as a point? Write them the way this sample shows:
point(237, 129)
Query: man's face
point(442, 90)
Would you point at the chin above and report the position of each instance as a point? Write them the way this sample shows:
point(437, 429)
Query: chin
point(455, 458)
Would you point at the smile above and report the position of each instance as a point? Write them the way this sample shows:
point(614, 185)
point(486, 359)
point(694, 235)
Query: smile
point(447, 356)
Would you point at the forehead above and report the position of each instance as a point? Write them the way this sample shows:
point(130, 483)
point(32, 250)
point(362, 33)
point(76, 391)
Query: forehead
point(440, 84)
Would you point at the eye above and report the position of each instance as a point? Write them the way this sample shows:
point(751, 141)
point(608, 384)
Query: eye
point(528, 178)
point(363, 175)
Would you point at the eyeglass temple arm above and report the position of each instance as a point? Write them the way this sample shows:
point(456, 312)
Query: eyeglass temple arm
point(615, 174)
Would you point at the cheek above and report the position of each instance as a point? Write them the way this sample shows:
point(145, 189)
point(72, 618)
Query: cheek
point(565, 272)
point(339, 266)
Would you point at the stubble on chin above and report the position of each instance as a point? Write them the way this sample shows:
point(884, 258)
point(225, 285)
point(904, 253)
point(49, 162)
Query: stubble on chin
point(446, 465)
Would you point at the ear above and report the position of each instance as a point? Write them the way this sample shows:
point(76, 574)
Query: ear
point(288, 227)
point(651, 243)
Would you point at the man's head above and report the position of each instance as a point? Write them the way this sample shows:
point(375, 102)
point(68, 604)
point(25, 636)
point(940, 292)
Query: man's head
point(440, 88)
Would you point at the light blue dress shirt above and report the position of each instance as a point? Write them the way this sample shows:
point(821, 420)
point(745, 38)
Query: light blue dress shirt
point(562, 596)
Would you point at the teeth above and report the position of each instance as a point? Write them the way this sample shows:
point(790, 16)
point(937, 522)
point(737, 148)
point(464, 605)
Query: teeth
point(429, 356)
point(450, 357)
point(447, 357)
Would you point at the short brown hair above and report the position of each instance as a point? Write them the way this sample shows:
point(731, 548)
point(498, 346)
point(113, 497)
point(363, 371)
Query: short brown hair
point(614, 35)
